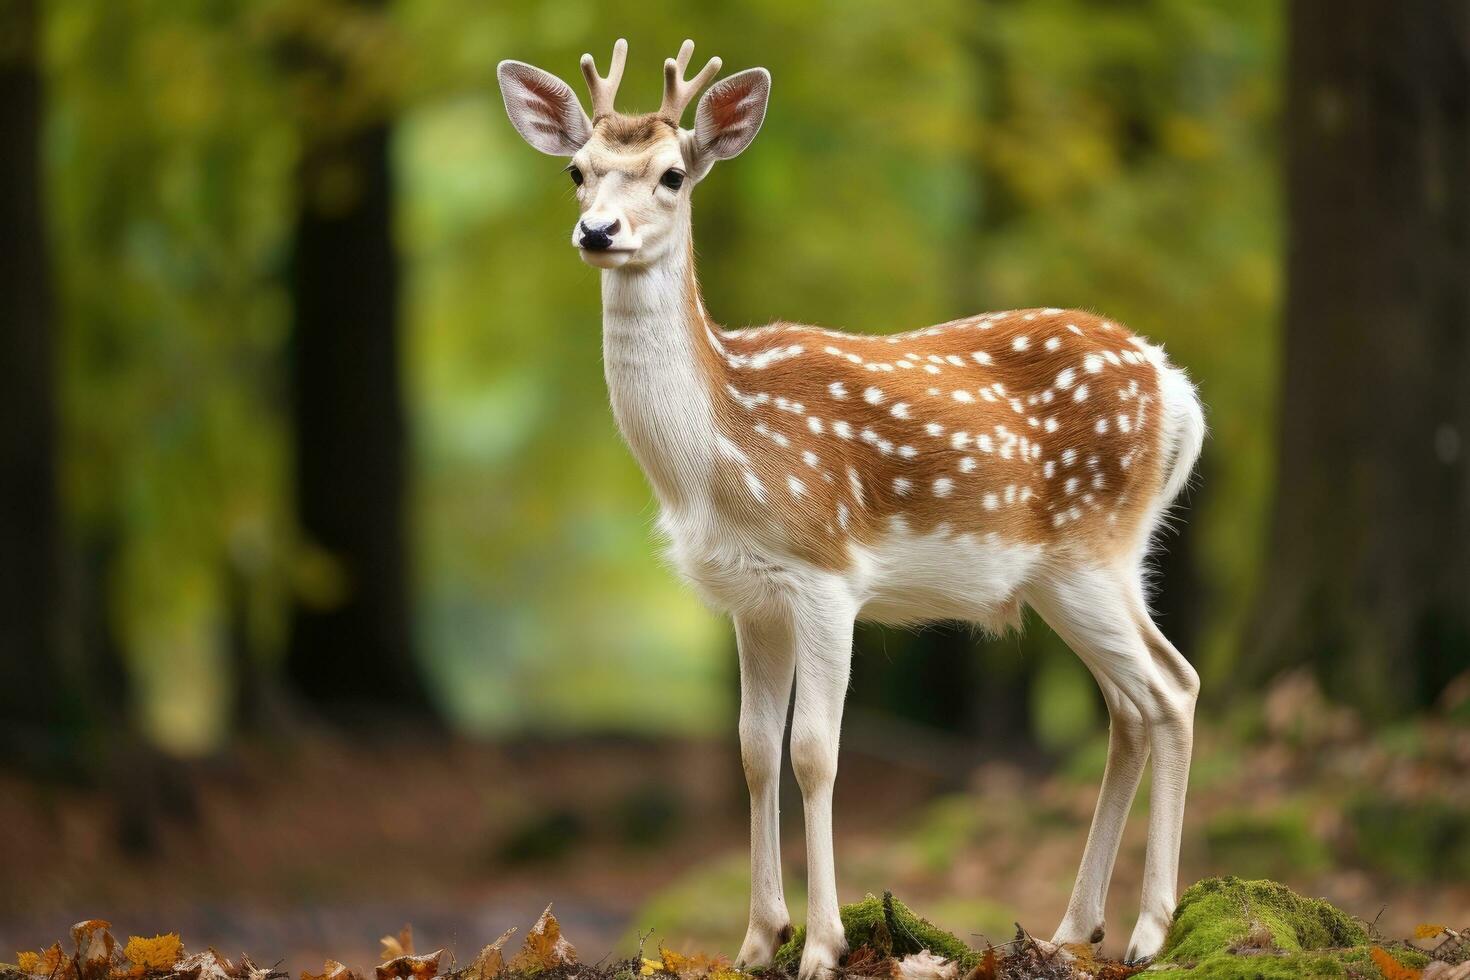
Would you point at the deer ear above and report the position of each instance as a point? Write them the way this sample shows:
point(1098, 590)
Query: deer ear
point(543, 109)
point(729, 116)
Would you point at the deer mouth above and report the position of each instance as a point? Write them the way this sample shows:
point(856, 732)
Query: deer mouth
point(606, 258)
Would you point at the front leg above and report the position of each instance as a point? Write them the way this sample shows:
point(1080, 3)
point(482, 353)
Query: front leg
point(822, 625)
point(767, 659)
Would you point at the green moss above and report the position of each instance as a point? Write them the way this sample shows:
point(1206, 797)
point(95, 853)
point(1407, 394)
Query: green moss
point(1220, 914)
point(888, 924)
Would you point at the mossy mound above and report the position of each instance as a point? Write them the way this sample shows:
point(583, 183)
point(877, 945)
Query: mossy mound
point(1228, 928)
point(1217, 915)
point(890, 927)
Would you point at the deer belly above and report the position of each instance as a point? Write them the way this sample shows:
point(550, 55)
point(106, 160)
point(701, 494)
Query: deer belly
point(914, 578)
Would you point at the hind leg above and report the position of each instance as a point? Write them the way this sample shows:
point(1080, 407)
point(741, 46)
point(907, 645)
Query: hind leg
point(1175, 727)
point(1100, 612)
point(1127, 755)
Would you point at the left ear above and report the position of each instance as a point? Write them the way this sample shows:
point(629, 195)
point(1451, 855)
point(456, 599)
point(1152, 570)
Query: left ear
point(729, 116)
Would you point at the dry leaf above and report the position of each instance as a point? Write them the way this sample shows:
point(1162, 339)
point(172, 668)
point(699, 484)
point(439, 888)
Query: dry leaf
point(331, 970)
point(545, 947)
point(924, 965)
point(249, 971)
point(424, 967)
point(208, 965)
point(393, 947)
point(491, 960)
point(1391, 968)
point(988, 967)
point(650, 967)
point(95, 947)
point(47, 963)
point(1428, 931)
point(158, 954)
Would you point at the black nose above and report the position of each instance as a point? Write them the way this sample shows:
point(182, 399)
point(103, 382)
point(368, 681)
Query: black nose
point(597, 235)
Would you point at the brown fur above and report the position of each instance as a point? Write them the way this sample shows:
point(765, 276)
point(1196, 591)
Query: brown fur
point(635, 134)
point(1101, 483)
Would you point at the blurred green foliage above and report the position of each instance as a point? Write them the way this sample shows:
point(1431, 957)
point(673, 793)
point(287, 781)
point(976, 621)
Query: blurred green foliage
point(918, 163)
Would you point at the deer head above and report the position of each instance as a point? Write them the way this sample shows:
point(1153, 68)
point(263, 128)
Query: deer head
point(634, 173)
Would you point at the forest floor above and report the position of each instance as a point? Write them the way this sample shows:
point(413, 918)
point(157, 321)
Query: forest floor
point(307, 849)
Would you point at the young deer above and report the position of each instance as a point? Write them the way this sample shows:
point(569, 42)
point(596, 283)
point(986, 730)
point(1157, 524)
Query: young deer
point(809, 478)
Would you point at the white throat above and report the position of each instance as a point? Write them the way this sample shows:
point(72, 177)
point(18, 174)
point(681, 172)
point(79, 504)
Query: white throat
point(652, 321)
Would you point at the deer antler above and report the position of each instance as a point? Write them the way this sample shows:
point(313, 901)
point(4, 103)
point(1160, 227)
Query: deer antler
point(605, 90)
point(678, 92)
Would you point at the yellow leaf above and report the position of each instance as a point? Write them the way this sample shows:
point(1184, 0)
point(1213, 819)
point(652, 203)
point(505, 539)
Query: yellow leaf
point(650, 967)
point(158, 954)
point(28, 962)
point(51, 963)
point(545, 947)
point(1427, 931)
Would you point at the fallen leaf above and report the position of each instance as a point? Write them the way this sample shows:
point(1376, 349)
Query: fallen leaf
point(95, 947)
point(987, 968)
point(208, 965)
point(545, 947)
point(491, 960)
point(47, 963)
point(396, 946)
point(1428, 931)
point(650, 967)
point(424, 967)
point(924, 965)
point(249, 971)
point(1391, 968)
point(331, 970)
point(157, 954)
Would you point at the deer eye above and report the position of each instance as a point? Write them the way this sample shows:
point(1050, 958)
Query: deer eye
point(672, 179)
point(575, 174)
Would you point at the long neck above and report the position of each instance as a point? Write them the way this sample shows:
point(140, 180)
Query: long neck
point(662, 368)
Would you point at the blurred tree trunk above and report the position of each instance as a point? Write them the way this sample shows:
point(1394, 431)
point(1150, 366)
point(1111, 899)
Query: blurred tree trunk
point(351, 644)
point(34, 693)
point(1369, 575)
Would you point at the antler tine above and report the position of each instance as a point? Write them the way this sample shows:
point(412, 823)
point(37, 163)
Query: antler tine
point(605, 90)
point(678, 92)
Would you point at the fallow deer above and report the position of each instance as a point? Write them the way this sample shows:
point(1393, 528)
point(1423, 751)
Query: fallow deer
point(810, 478)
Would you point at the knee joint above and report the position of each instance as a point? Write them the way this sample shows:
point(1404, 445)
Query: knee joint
point(814, 759)
point(760, 754)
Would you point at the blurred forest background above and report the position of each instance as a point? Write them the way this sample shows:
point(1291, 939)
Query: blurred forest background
point(326, 584)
